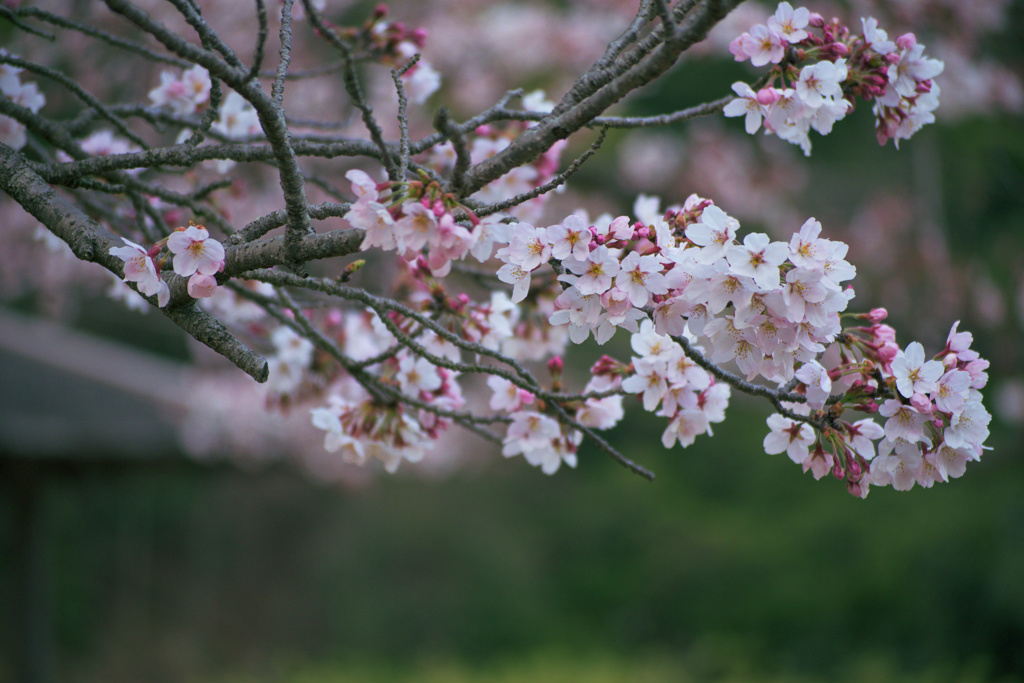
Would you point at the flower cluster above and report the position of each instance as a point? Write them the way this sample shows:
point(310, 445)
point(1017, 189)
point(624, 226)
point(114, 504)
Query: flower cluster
point(27, 95)
point(935, 420)
point(184, 94)
point(820, 68)
point(767, 305)
point(364, 425)
point(189, 92)
point(417, 219)
point(686, 288)
point(195, 255)
point(393, 43)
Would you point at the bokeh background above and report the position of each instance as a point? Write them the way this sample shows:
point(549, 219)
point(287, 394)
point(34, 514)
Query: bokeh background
point(125, 558)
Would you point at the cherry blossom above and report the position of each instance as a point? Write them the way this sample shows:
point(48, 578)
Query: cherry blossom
point(795, 438)
point(789, 23)
point(195, 252)
point(595, 272)
point(746, 104)
point(912, 373)
point(758, 258)
point(140, 269)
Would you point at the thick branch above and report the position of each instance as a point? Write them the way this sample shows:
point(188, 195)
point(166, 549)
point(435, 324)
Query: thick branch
point(537, 140)
point(90, 241)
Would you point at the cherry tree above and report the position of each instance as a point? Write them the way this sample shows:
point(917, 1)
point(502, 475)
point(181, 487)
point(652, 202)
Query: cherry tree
point(448, 265)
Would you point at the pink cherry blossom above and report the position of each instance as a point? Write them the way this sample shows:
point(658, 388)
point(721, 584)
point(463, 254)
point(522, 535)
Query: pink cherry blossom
point(817, 382)
point(764, 45)
point(570, 238)
point(758, 257)
point(795, 438)
point(140, 269)
point(789, 23)
point(714, 232)
point(595, 272)
point(912, 373)
point(648, 380)
point(685, 426)
point(640, 277)
point(195, 252)
point(746, 104)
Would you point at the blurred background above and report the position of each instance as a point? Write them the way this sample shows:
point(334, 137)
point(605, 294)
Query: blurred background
point(137, 544)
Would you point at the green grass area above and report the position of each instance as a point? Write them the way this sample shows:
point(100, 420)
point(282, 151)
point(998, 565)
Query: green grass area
point(714, 660)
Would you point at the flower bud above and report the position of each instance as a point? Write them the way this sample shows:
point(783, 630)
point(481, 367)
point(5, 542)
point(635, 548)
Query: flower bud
point(767, 96)
point(605, 365)
point(877, 315)
point(201, 286)
point(906, 41)
point(921, 403)
point(887, 352)
point(353, 268)
point(855, 469)
point(556, 365)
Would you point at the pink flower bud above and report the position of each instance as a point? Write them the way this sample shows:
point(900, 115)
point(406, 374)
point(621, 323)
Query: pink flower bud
point(906, 41)
point(839, 49)
point(767, 96)
point(854, 489)
point(884, 333)
point(556, 365)
point(605, 365)
point(888, 351)
point(877, 315)
point(855, 469)
point(921, 403)
point(815, 20)
point(837, 471)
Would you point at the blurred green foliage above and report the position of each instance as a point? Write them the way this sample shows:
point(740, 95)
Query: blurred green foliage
point(730, 566)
